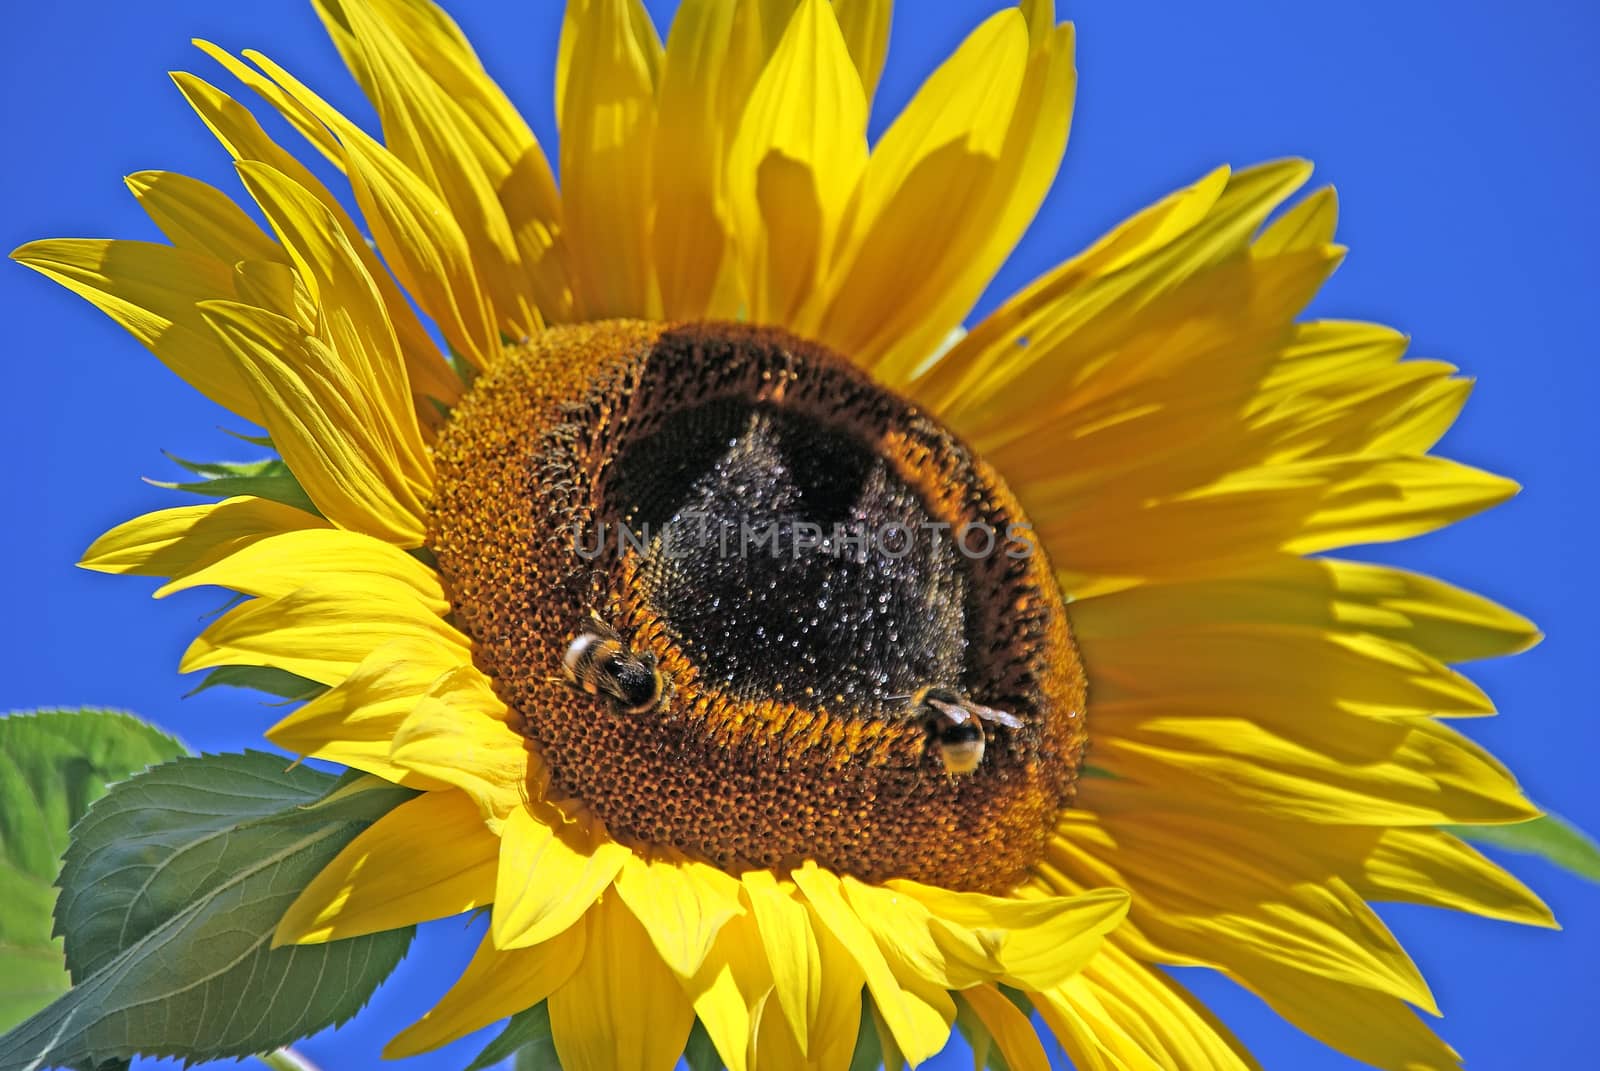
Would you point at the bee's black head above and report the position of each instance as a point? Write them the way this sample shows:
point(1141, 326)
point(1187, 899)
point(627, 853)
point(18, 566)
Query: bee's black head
point(638, 684)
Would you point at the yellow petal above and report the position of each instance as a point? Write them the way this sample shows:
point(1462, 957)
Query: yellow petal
point(1245, 895)
point(1255, 670)
point(201, 218)
point(905, 931)
point(1444, 621)
point(1033, 943)
point(495, 985)
point(1164, 246)
point(622, 1010)
point(320, 415)
point(1090, 1032)
point(423, 129)
point(1309, 223)
point(893, 1058)
point(1321, 350)
point(1427, 866)
point(1169, 1024)
point(550, 875)
point(176, 542)
point(1390, 498)
point(1010, 1028)
point(865, 26)
point(730, 991)
point(154, 292)
point(478, 118)
point(794, 163)
point(320, 635)
point(322, 557)
point(413, 228)
point(1129, 394)
point(353, 321)
point(951, 187)
point(690, 239)
point(838, 1015)
point(918, 1017)
point(275, 286)
point(355, 722)
point(1371, 1027)
point(1317, 505)
point(380, 881)
point(793, 952)
point(605, 104)
point(455, 734)
point(1338, 769)
point(1372, 408)
point(1302, 507)
point(1120, 1013)
point(244, 139)
point(312, 130)
point(681, 905)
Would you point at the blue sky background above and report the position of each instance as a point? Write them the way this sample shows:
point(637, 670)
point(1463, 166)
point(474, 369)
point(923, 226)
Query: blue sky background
point(1461, 137)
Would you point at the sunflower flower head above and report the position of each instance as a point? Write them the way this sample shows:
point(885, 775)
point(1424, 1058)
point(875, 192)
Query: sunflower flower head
point(769, 652)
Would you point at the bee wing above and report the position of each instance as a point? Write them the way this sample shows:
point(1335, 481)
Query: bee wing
point(998, 717)
point(956, 714)
point(601, 627)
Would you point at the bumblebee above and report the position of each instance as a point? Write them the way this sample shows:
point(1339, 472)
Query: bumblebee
point(599, 663)
point(956, 724)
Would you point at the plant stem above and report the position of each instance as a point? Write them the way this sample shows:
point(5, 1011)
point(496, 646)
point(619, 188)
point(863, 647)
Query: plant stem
point(287, 1060)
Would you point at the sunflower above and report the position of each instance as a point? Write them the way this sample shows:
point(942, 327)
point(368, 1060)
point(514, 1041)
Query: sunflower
point(932, 676)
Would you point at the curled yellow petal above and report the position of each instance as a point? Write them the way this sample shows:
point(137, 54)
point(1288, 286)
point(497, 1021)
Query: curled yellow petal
point(177, 542)
point(317, 412)
point(550, 874)
point(682, 905)
point(278, 564)
point(495, 985)
point(155, 292)
point(355, 722)
point(380, 881)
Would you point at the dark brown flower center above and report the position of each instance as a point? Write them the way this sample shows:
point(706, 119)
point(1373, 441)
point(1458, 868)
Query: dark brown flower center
point(816, 603)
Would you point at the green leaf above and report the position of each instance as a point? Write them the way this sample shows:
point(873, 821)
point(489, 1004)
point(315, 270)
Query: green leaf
point(1551, 837)
point(526, 1039)
point(53, 764)
point(269, 679)
point(869, 1051)
point(269, 478)
point(171, 890)
point(977, 1036)
point(700, 1053)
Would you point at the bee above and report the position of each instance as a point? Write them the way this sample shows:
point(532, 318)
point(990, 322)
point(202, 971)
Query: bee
point(956, 724)
point(599, 663)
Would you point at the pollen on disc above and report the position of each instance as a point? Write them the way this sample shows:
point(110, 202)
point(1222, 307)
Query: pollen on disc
point(791, 545)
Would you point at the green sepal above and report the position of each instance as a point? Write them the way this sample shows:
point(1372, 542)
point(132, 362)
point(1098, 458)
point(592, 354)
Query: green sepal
point(870, 1038)
point(701, 1053)
point(53, 765)
point(264, 441)
point(268, 679)
point(269, 478)
point(526, 1040)
point(170, 893)
point(1551, 837)
point(979, 1040)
